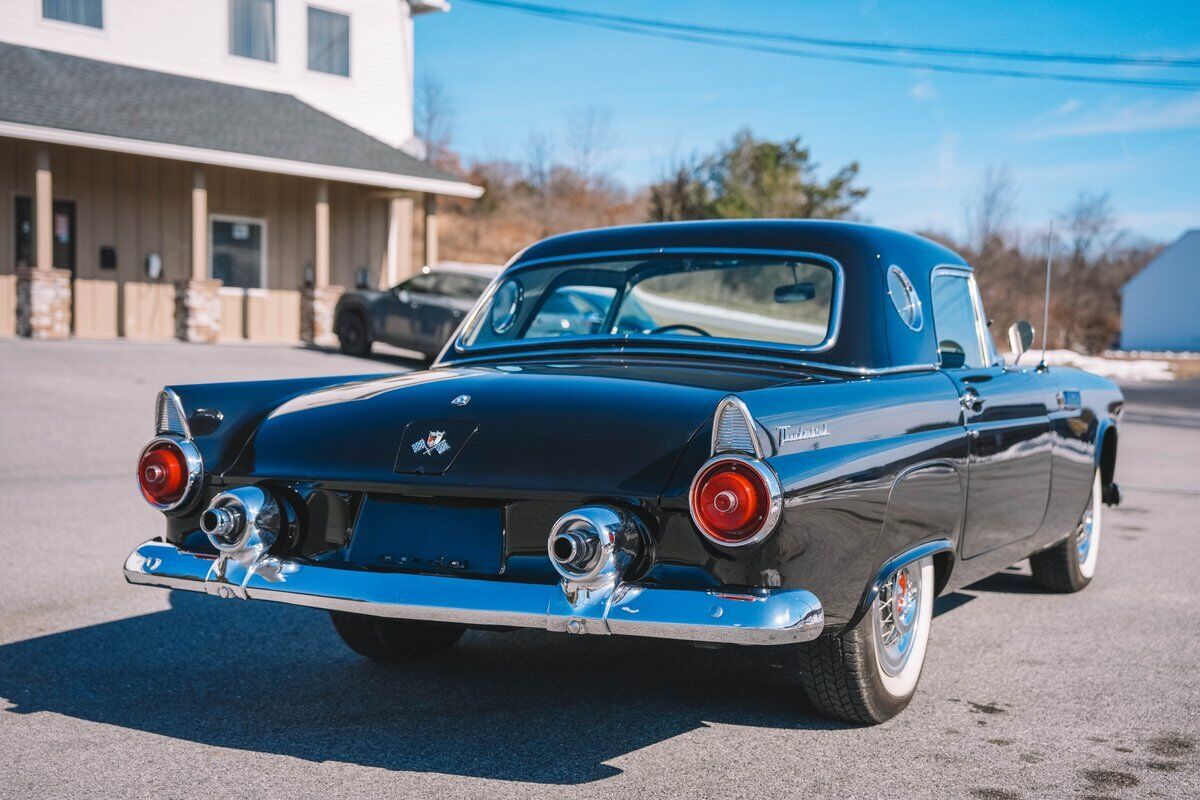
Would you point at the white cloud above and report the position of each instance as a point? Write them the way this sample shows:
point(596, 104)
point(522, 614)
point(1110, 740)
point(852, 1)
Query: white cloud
point(923, 91)
point(947, 159)
point(1069, 106)
point(1182, 114)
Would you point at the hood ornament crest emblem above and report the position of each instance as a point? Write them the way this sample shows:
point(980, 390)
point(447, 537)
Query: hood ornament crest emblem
point(433, 443)
point(461, 400)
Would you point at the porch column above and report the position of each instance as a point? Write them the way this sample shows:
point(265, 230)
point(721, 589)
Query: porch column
point(398, 264)
point(321, 264)
point(43, 212)
point(198, 298)
point(318, 302)
point(199, 225)
point(431, 230)
point(43, 292)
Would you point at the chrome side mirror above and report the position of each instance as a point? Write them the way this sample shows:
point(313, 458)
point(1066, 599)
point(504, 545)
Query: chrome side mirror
point(1020, 338)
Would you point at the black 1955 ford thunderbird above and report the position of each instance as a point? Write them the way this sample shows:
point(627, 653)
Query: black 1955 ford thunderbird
point(756, 433)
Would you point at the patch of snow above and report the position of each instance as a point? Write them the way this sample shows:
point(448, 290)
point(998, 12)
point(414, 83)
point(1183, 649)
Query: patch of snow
point(1119, 369)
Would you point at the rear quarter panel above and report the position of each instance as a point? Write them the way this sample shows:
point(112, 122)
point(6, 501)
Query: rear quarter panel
point(889, 475)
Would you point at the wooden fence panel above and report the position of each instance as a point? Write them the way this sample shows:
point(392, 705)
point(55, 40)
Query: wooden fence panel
point(95, 310)
point(149, 311)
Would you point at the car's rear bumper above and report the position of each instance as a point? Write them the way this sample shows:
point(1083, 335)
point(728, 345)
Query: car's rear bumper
point(763, 617)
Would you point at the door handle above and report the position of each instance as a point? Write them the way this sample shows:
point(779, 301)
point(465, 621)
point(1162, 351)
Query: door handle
point(971, 401)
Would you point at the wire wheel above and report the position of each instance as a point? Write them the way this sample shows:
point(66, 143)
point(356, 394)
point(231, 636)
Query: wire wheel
point(896, 617)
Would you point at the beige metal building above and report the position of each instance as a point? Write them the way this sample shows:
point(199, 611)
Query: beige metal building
point(149, 204)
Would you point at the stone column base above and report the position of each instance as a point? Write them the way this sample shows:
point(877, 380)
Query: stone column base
point(198, 311)
point(316, 315)
point(44, 303)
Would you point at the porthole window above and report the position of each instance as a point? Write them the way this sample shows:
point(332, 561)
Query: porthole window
point(904, 298)
point(505, 305)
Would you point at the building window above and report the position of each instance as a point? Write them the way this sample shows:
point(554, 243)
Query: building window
point(79, 12)
point(252, 29)
point(238, 249)
point(328, 42)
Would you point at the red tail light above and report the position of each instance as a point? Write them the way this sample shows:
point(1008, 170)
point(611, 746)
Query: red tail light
point(735, 501)
point(167, 471)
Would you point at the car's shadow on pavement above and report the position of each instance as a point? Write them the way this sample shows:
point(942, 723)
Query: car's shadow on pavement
point(520, 706)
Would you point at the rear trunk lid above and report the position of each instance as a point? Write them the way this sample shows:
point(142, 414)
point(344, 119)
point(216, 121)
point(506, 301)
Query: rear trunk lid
point(593, 428)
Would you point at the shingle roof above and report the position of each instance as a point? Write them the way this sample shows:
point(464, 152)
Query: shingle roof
point(54, 90)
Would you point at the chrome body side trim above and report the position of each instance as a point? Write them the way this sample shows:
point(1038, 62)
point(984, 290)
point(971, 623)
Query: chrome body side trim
point(758, 617)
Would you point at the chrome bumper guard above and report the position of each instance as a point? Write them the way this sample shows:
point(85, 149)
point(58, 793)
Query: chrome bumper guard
point(763, 617)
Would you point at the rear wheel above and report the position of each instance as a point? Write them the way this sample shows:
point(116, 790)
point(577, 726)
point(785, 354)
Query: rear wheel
point(869, 674)
point(1070, 565)
point(353, 336)
point(385, 639)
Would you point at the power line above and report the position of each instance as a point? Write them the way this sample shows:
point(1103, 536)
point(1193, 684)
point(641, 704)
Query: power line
point(853, 44)
point(661, 30)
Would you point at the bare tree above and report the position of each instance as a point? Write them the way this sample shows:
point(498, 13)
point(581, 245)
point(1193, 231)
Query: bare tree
point(1088, 280)
point(990, 210)
point(589, 139)
point(433, 118)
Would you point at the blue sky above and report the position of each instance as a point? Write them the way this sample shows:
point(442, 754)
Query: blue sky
point(923, 139)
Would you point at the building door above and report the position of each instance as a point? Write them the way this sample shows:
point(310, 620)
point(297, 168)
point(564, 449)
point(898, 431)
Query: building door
point(62, 233)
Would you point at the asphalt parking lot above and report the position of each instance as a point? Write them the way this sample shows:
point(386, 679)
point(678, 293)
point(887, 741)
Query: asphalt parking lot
point(107, 690)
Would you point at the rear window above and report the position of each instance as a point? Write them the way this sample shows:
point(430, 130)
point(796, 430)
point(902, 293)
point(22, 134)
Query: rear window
point(758, 299)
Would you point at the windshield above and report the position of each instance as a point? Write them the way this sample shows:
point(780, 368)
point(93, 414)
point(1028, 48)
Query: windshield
point(783, 301)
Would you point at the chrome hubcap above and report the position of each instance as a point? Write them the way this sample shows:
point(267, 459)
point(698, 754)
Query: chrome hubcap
point(895, 616)
point(1083, 536)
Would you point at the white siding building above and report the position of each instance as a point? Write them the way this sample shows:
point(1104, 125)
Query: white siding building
point(1160, 306)
point(212, 170)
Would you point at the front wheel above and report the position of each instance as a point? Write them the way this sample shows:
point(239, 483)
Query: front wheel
point(352, 334)
point(385, 639)
point(1070, 565)
point(869, 674)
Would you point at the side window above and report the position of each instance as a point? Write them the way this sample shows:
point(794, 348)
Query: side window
point(463, 287)
point(956, 323)
point(252, 29)
point(421, 284)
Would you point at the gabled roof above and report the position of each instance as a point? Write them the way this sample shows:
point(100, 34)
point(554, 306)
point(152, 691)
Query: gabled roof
point(54, 97)
point(1186, 247)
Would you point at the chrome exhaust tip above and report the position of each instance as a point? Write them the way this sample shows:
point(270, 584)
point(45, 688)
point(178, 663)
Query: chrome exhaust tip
point(595, 545)
point(223, 524)
point(246, 520)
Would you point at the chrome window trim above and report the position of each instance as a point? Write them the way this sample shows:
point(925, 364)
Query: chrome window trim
point(774, 490)
point(562, 347)
point(195, 465)
point(457, 346)
point(968, 274)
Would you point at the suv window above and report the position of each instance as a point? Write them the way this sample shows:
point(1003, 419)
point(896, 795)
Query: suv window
point(956, 322)
point(465, 287)
point(421, 284)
